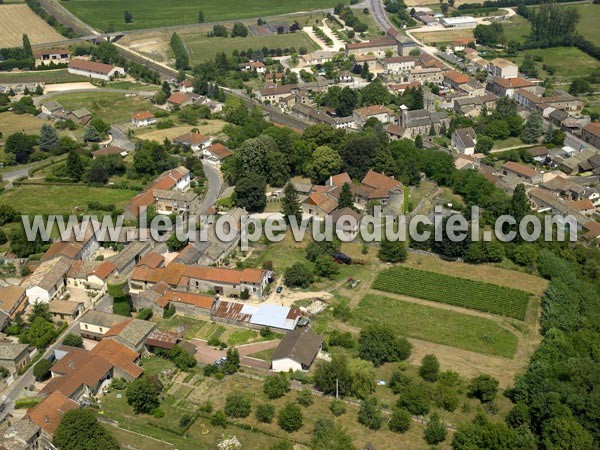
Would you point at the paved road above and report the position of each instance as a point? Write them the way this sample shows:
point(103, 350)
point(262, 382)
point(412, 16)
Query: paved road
point(14, 175)
point(120, 139)
point(215, 185)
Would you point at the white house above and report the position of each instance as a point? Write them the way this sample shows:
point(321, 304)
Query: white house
point(379, 112)
point(194, 141)
point(143, 119)
point(502, 68)
point(47, 281)
point(94, 69)
point(296, 351)
point(464, 140)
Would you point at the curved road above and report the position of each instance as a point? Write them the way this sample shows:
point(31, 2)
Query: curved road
point(215, 186)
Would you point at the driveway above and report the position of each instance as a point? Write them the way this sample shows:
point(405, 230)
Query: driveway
point(120, 139)
point(208, 355)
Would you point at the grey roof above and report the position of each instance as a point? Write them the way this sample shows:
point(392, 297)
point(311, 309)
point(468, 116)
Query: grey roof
point(467, 136)
point(102, 319)
point(53, 105)
point(301, 345)
point(11, 350)
point(559, 115)
point(128, 254)
point(187, 197)
point(20, 432)
point(48, 273)
point(134, 332)
point(81, 112)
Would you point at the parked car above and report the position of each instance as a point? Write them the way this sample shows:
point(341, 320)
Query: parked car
point(279, 289)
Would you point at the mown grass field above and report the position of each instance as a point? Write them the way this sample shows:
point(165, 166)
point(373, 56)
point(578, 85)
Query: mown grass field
point(569, 62)
point(455, 291)
point(156, 13)
point(62, 199)
point(436, 325)
point(203, 48)
point(193, 328)
point(107, 106)
point(516, 29)
point(45, 76)
point(442, 36)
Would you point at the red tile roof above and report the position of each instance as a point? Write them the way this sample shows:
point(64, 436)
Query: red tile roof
point(197, 300)
point(220, 151)
point(380, 181)
point(90, 66)
point(191, 138)
point(152, 260)
point(514, 83)
point(519, 169)
point(593, 128)
point(143, 115)
point(178, 98)
point(456, 77)
point(341, 179)
point(108, 150)
point(119, 355)
point(104, 270)
point(48, 413)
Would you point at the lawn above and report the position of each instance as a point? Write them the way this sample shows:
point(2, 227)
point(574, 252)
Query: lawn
point(569, 62)
point(436, 325)
point(46, 76)
point(264, 355)
point(210, 127)
point(192, 328)
point(516, 29)
point(452, 290)
point(202, 48)
point(68, 199)
point(154, 13)
point(240, 337)
point(588, 23)
point(106, 106)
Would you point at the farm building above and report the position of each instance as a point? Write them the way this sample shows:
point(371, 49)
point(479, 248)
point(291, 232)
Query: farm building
point(296, 351)
point(459, 22)
point(95, 69)
point(51, 56)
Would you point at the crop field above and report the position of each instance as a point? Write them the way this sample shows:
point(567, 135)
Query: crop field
point(476, 334)
point(62, 199)
point(156, 13)
point(456, 291)
point(568, 62)
point(109, 107)
point(16, 20)
point(202, 48)
point(431, 37)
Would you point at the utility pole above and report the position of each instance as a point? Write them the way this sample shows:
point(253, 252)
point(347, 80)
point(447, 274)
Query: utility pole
point(337, 389)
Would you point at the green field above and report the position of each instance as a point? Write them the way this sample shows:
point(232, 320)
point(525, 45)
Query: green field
point(569, 62)
point(436, 325)
point(516, 29)
point(193, 328)
point(45, 76)
point(453, 291)
point(156, 13)
point(589, 21)
point(62, 199)
point(202, 48)
point(109, 107)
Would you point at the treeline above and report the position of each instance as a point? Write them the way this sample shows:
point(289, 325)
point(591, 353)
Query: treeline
point(17, 57)
point(50, 19)
point(350, 19)
point(182, 59)
point(507, 3)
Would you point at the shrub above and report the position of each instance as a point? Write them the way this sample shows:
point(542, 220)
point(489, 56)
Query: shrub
point(430, 368)
point(219, 419)
point(369, 414)
point(290, 417)
point(185, 420)
point(305, 397)
point(276, 386)
point(337, 407)
point(436, 430)
point(265, 412)
point(400, 420)
point(145, 314)
point(483, 387)
point(158, 413)
point(41, 371)
point(73, 340)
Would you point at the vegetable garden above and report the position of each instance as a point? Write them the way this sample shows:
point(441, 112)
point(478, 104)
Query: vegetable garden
point(456, 291)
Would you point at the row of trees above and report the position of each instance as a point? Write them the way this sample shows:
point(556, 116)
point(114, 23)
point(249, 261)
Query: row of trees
point(182, 58)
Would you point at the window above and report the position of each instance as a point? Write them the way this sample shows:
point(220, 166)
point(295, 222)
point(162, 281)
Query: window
point(100, 329)
point(86, 327)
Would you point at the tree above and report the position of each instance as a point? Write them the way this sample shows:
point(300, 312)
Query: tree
point(315, 249)
point(533, 129)
point(174, 244)
point(239, 29)
point(41, 371)
point(128, 17)
point(400, 420)
point(484, 144)
point(7, 214)
point(182, 359)
point(436, 430)
point(325, 162)
point(27, 46)
point(362, 378)
point(379, 344)
point(232, 364)
point(560, 433)
point(415, 398)
point(325, 266)
point(79, 430)
point(249, 193)
point(290, 204)
point(369, 414)
point(200, 16)
point(276, 386)
point(579, 86)
point(20, 145)
point(143, 394)
point(298, 275)
point(519, 203)
point(238, 404)
point(91, 135)
point(75, 166)
point(48, 138)
point(73, 340)
point(290, 417)
point(392, 251)
point(265, 412)
point(483, 387)
point(346, 199)
point(328, 435)
point(419, 141)
point(430, 368)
